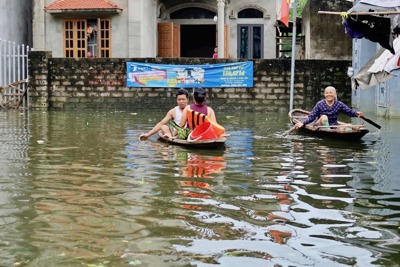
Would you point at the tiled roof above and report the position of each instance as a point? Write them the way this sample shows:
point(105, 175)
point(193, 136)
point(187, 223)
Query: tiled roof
point(81, 4)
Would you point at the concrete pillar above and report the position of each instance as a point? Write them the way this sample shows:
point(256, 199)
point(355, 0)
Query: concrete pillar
point(220, 23)
point(38, 25)
point(135, 35)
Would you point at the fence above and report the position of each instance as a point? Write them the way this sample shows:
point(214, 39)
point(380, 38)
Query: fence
point(13, 74)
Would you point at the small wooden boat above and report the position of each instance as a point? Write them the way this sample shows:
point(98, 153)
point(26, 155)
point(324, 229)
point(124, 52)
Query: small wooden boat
point(212, 143)
point(342, 131)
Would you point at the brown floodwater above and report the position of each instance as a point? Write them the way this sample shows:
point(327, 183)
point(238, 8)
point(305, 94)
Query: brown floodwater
point(80, 189)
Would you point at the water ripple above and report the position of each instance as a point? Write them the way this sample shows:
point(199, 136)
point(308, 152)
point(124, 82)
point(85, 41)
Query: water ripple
point(91, 194)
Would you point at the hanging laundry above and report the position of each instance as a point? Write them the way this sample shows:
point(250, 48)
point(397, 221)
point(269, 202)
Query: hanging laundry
point(375, 29)
point(351, 32)
point(380, 6)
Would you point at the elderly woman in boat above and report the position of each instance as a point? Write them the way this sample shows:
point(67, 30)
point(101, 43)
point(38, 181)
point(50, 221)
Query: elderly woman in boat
point(326, 111)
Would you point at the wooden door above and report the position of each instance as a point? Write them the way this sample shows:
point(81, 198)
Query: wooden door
point(169, 40)
point(176, 48)
point(226, 40)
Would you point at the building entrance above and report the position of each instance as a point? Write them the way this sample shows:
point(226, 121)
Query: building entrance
point(198, 40)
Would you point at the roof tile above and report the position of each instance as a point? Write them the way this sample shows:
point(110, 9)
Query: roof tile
point(81, 4)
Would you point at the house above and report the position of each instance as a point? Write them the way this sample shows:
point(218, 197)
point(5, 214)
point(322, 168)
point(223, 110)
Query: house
point(156, 28)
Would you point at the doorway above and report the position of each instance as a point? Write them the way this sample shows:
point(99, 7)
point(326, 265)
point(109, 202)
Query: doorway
point(198, 40)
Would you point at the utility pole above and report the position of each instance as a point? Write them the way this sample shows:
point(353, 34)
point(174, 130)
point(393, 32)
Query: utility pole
point(294, 7)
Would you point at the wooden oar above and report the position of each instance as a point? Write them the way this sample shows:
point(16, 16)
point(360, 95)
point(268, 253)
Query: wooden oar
point(371, 122)
point(289, 131)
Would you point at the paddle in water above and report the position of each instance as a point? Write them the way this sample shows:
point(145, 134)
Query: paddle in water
point(289, 131)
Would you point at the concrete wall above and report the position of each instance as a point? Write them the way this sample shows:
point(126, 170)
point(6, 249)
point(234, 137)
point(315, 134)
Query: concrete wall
point(15, 21)
point(325, 36)
point(90, 83)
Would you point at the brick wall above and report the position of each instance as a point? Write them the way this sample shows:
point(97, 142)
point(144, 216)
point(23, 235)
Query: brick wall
point(64, 83)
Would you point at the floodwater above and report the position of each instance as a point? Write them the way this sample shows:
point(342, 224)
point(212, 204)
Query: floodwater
point(80, 189)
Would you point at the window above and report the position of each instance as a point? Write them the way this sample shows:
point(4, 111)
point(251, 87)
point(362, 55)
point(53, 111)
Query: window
point(250, 41)
point(105, 38)
point(250, 13)
point(192, 13)
point(87, 38)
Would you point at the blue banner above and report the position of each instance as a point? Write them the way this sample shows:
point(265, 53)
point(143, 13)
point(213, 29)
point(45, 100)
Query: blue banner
point(238, 74)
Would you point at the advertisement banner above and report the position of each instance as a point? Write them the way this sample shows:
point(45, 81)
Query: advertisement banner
point(238, 74)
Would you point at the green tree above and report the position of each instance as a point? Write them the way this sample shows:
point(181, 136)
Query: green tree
point(300, 6)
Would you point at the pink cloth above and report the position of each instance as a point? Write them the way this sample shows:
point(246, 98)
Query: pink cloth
point(199, 108)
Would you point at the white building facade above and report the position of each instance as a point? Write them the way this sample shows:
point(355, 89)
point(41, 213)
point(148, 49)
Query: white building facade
point(157, 28)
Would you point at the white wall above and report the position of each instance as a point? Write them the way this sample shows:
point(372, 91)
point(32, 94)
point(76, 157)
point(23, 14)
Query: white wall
point(15, 21)
point(363, 99)
point(394, 98)
point(142, 28)
point(381, 99)
point(38, 25)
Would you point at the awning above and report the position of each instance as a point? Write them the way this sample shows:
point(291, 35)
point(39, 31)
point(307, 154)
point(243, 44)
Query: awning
point(382, 67)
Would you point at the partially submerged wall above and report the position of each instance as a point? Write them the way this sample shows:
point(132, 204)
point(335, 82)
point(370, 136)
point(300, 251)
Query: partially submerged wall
point(90, 83)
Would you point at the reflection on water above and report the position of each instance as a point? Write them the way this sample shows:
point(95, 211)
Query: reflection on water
point(80, 189)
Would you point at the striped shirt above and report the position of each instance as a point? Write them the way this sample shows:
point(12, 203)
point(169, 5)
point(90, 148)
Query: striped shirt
point(332, 112)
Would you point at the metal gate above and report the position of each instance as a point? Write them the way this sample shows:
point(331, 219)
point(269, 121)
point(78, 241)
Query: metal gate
point(13, 75)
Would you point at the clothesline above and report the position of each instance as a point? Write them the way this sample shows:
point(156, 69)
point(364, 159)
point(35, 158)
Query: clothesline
point(361, 13)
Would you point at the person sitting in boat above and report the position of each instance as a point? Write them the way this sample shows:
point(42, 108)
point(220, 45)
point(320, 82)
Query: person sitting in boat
point(326, 111)
point(199, 105)
point(169, 124)
point(199, 113)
